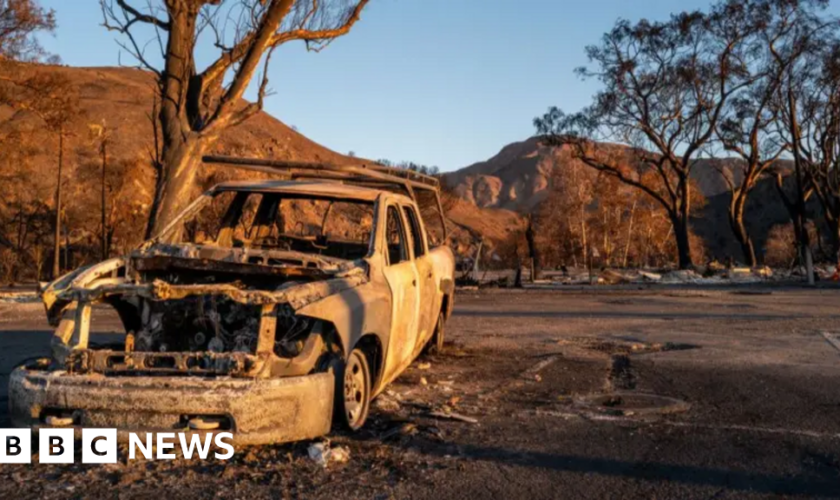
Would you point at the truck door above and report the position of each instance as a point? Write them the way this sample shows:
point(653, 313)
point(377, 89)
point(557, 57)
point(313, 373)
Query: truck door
point(426, 284)
point(401, 275)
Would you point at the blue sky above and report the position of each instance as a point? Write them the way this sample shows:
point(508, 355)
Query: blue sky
point(439, 82)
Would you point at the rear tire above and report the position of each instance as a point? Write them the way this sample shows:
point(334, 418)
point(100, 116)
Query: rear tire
point(352, 395)
point(435, 345)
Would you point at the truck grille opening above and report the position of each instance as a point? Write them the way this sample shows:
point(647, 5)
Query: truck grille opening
point(206, 323)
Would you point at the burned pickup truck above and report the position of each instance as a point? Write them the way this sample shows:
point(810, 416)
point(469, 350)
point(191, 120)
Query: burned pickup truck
point(271, 309)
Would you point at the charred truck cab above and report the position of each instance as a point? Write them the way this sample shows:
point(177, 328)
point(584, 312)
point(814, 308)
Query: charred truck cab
point(269, 309)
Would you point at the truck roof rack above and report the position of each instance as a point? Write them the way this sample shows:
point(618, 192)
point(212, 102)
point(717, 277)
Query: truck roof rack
point(364, 174)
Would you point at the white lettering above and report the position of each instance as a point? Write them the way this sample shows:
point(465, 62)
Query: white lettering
point(163, 445)
point(227, 446)
point(99, 446)
point(15, 446)
point(145, 449)
point(195, 442)
point(55, 446)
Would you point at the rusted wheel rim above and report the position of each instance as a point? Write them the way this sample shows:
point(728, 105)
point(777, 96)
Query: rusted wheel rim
point(355, 389)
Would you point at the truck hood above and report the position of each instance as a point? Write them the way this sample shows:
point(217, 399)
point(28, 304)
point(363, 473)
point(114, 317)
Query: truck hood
point(293, 278)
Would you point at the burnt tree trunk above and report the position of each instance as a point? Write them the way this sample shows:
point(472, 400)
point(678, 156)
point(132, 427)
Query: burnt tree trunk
point(180, 164)
point(629, 234)
point(680, 220)
point(66, 229)
point(833, 224)
point(831, 214)
point(187, 130)
point(532, 248)
point(747, 245)
point(683, 243)
point(805, 253)
point(56, 270)
point(21, 239)
point(103, 204)
point(739, 229)
point(197, 107)
point(180, 147)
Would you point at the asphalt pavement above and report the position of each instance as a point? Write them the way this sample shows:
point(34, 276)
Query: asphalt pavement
point(668, 393)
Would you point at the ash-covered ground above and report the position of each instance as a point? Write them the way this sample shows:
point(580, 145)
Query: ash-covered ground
point(664, 392)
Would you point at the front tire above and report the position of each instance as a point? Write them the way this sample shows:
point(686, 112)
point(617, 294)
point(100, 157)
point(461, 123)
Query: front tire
point(352, 395)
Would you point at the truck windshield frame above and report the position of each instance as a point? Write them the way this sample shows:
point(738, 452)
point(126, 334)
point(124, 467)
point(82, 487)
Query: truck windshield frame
point(272, 220)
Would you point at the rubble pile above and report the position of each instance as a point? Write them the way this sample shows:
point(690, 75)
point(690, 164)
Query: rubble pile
point(18, 297)
point(712, 274)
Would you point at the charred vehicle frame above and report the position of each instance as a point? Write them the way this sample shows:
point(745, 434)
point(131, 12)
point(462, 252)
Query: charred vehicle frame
point(271, 331)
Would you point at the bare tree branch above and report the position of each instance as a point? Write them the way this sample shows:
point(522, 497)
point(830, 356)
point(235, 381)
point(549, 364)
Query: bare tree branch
point(198, 104)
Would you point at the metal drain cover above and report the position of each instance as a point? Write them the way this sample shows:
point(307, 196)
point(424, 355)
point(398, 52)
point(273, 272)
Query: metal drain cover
point(631, 403)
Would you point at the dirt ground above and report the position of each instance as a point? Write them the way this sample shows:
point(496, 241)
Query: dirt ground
point(670, 392)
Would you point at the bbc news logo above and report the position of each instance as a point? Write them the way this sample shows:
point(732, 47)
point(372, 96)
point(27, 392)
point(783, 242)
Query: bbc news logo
point(99, 446)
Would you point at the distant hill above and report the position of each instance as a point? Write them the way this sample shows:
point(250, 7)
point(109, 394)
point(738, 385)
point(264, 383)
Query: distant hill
point(123, 99)
point(519, 178)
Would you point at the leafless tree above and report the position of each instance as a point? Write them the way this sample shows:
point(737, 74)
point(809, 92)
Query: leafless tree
point(748, 128)
point(55, 100)
point(23, 216)
point(818, 136)
point(198, 104)
point(666, 85)
point(804, 107)
point(100, 134)
point(19, 21)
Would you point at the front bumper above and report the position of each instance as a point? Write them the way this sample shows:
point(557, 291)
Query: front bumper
point(256, 411)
